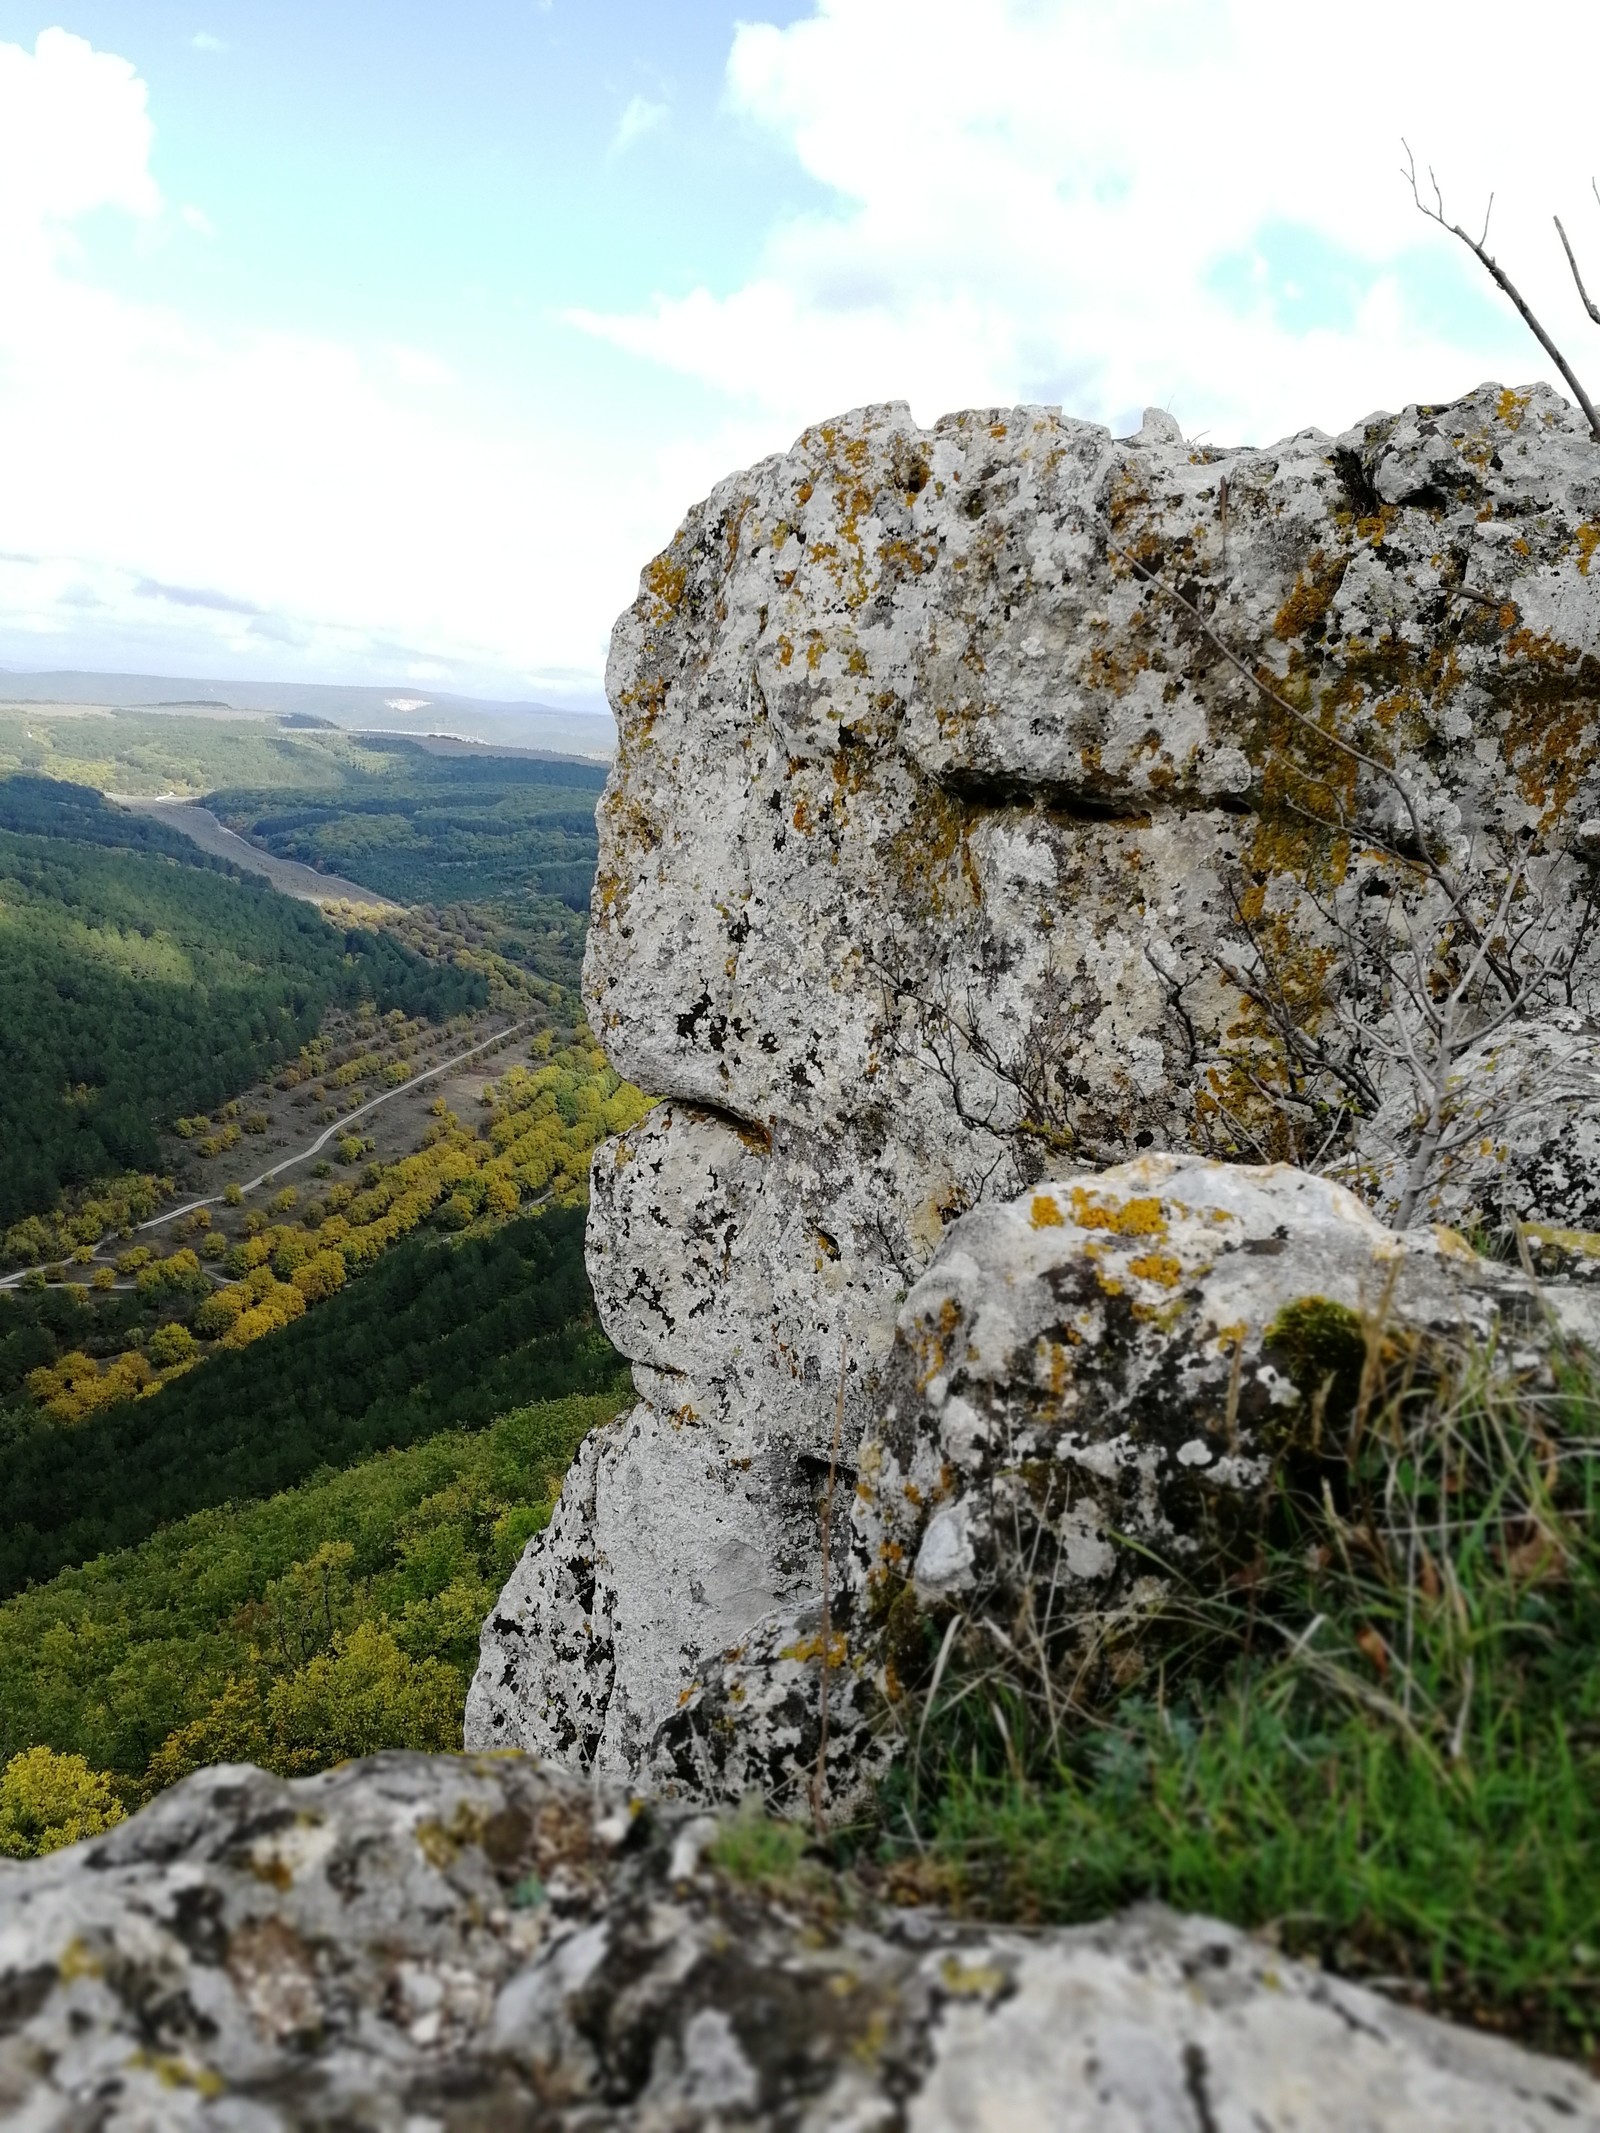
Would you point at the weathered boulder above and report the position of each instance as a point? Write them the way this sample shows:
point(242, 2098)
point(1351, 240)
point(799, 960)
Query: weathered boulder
point(950, 840)
point(1124, 1355)
point(416, 1942)
point(1094, 1390)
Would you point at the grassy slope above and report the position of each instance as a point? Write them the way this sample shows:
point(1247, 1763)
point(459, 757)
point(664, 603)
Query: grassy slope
point(1381, 1746)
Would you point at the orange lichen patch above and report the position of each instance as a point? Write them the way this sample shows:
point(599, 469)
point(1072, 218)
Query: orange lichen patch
point(736, 519)
point(1114, 667)
point(935, 1346)
point(1306, 608)
point(921, 853)
point(809, 1648)
point(1588, 539)
point(1509, 408)
point(1045, 1213)
point(814, 651)
point(898, 558)
point(1554, 692)
point(1109, 1284)
point(804, 493)
point(1142, 1216)
point(1054, 1367)
point(666, 579)
point(785, 650)
point(1159, 1267)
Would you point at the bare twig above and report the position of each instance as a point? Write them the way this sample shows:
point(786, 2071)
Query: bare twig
point(1478, 247)
point(1587, 300)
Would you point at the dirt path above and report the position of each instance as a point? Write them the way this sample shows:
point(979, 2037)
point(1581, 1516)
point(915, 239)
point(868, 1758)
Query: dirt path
point(288, 1162)
point(202, 828)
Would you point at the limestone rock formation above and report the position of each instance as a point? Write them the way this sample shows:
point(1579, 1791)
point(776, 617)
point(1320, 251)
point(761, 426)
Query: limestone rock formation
point(418, 1942)
point(1128, 1353)
point(1094, 1388)
point(1004, 798)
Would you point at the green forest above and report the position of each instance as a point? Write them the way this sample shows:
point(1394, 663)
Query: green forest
point(513, 831)
point(139, 982)
point(435, 1334)
point(263, 1469)
point(333, 1618)
point(439, 829)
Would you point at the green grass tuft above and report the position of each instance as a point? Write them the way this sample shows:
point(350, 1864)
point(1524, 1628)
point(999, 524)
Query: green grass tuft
point(1381, 1745)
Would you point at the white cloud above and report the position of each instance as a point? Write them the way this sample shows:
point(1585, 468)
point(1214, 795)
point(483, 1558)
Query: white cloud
point(1067, 200)
point(203, 41)
point(74, 135)
point(414, 366)
point(639, 117)
point(198, 220)
point(185, 496)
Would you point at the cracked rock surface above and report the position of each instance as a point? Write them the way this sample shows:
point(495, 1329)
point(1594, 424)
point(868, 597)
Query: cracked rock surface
point(417, 1944)
point(942, 850)
point(1095, 1386)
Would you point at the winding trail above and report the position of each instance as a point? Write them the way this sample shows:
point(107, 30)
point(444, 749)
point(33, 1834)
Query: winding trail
point(304, 1155)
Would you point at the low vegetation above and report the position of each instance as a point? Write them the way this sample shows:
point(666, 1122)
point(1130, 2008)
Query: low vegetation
point(1380, 1743)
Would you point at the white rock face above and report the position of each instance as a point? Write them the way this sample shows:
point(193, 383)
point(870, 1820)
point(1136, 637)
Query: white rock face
point(417, 1942)
point(945, 848)
point(1094, 1389)
point(1127, 1357)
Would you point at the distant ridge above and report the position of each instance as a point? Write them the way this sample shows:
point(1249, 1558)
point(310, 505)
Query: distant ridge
point(403, 708)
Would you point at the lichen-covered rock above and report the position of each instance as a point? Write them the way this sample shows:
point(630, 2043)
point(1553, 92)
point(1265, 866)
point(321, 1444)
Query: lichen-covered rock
point(1094, 1388)
point(1096, 1384)
point(755, 1724)
point(1524, 1132)
point(423, 1944)
point(944, 845)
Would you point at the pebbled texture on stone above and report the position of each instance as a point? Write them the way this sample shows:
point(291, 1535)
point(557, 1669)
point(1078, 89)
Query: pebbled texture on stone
point(935, 845)
point(1092, 1389)
point(417, 1944)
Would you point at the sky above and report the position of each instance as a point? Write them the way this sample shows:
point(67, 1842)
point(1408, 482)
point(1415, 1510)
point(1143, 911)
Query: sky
point(385, 343)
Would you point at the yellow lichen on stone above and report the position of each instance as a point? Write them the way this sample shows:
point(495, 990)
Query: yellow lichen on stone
point(666, 580)
point(1045, 1212)
point(1159, 1267)
point(1141, 1216)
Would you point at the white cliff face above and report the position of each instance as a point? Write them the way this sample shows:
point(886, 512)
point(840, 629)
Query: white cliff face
point(942, 849)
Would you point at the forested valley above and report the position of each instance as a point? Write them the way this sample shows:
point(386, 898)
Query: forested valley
point(139, 983)
point(298, 1339)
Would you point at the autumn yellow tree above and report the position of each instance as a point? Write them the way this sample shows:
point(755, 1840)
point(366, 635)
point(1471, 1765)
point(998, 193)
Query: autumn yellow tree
point(47, 1800)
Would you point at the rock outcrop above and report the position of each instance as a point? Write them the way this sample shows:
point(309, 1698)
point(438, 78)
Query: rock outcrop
point(1004, 799)
point(419, 1942)
point(1095, 1390)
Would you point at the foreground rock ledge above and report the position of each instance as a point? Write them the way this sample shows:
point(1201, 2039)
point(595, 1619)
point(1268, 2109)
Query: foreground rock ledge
point(418, 1942)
